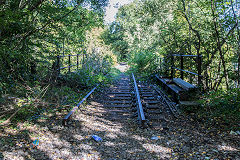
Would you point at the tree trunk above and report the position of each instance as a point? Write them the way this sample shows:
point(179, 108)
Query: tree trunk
point(219, 46)
point(238, 43)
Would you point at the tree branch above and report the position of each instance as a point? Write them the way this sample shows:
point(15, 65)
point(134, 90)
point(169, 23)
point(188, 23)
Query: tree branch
point(221, 44)
point(190, 26)
point(36, 5)
point(45, 25)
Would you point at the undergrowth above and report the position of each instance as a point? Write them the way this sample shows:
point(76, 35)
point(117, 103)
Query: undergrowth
point(143, 63)
point(34, 101)
point(221, 108)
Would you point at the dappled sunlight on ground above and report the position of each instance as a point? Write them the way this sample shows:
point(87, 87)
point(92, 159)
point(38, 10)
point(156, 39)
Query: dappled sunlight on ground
point(121, 140)
point(227, 148)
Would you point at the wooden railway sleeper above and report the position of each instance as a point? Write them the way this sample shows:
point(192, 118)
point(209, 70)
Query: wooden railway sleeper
point(134, 115)
point(165, 100)
point(134, 109)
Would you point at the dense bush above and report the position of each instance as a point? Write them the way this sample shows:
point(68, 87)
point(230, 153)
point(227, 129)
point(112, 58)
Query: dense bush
point(81, 79)
point(144, 62)
point(33, 32)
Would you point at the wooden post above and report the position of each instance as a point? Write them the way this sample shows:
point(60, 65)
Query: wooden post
point(166, 66)
point(58, 65)
point(199, 71)
point(63, 45)
point(83, 58)
point(69, 63)
point(172, 69)
point(181, 57)
point(77, 61)
point(238, 70)
point(160, 63)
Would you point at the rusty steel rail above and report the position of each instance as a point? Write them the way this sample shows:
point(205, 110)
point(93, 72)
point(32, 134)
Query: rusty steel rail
point(66, 118)
point(140, 111)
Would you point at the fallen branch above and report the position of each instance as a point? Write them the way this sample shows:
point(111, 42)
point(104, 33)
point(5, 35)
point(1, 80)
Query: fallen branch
point(2, 116)
point(9, 119)
point(7, 111)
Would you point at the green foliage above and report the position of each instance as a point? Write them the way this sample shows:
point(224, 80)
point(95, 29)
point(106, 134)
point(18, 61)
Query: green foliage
point(32, 34)
point(81, 79)
point(183, 27)
point(113, 75)
point(228, 99)
point(144, 62)
point(25, 113)
point(223, 105)
point(64, 95)
point(114, 36)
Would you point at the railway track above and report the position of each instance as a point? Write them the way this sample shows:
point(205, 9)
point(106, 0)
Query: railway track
point(130, 99)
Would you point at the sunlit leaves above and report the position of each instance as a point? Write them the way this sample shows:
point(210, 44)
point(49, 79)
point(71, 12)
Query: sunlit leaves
point(37, 30)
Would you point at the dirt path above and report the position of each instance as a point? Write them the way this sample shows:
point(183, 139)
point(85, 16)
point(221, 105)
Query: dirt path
point(123, 67)
point(121, 136)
